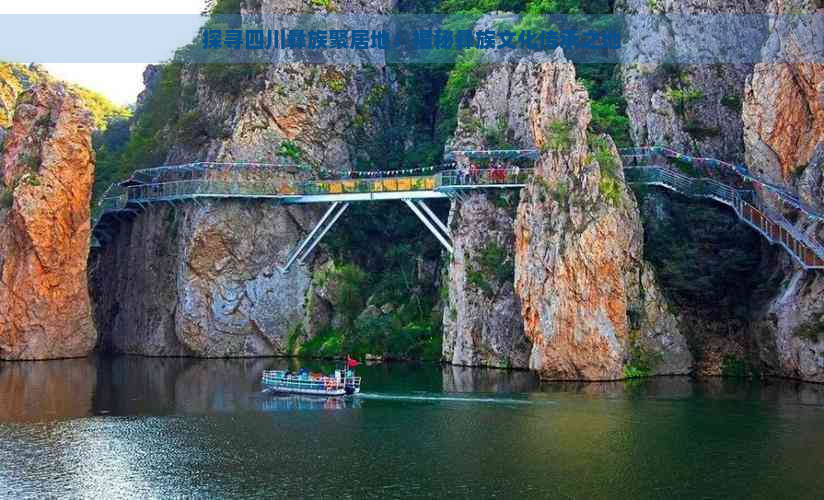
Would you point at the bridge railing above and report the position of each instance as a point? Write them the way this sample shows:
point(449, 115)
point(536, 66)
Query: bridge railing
point(653, 155)
point(114, 198)
point(748, 206)
point(195, 170)
point(485, 177)
point(210, 187)
point(275, 187)
point(807, 248)
point(692, 186)
point(367, 185)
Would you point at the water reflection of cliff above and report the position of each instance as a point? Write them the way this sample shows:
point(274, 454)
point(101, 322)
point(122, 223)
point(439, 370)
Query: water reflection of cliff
point(715, 388)
point(184, 386)
point(128, 385)
point(464, 379)
point(46, 390)
point(665, 387)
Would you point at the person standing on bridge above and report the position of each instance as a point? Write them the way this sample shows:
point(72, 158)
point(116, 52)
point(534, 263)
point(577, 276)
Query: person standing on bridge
point(473, 173)
point(495, 171)
point(461, 162)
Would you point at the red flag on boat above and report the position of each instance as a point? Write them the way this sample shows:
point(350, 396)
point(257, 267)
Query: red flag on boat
point(351, 363)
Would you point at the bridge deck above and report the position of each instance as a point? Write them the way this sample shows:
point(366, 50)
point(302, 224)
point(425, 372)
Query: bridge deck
point(317, 191)
point(153, 186)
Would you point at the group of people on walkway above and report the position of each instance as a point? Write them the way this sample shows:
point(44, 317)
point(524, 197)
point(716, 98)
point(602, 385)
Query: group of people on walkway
point(470, 173)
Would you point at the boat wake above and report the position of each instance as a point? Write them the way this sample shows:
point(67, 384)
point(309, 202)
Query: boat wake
point(449, 399)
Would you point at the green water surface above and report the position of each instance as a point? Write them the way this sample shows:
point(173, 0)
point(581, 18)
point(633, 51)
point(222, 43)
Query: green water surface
point(131, 427)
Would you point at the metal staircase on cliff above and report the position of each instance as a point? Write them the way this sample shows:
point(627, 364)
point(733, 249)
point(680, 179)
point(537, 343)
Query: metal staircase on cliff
point(653, 166)
point(759, 203)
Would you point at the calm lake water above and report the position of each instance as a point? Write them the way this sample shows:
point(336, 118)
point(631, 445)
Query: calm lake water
point(150, 428)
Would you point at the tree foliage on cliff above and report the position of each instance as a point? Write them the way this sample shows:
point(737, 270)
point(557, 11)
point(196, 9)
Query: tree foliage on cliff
point(120, 151)
point(704, 259)
point(405, 330)
point(6, 196)
point(601, 80)
point(14, 78)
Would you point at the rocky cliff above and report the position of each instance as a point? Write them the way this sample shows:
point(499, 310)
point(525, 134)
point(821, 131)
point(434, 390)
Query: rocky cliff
point(783, 118)
point(202, 279)
point(564, 287)
point(589, 301)
point(482, 322)
point(783, 111)
point(589, 304)
point(14, 79)
point(714, 271)
point(306, 111)
point(763, 313)
point(47, 172)
point(694, 108)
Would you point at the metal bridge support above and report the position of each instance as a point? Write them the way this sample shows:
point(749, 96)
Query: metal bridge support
point(428, 218)
point(311, 240)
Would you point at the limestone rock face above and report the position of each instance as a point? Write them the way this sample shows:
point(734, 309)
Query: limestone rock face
point(771, 116)
point(499, 104)
point(784, 121)
point(482, 321)
point(709, 122)
point(202, 280)
point(233, 300)
point(790, 333)
point(590, 304)
point(785, 143)
point(47, 173)
point(14, 79)
point(133, 281)
point(309, 106)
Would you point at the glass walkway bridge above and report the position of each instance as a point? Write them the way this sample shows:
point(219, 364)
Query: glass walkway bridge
point(647, 166)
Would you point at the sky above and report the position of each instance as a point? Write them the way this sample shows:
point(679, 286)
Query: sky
point(119, 82)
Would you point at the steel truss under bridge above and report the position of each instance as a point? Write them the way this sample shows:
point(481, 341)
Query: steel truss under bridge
point(301, 252)
point(305, 247)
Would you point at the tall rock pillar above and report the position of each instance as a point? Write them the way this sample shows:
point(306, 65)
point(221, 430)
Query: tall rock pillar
point(46, 175)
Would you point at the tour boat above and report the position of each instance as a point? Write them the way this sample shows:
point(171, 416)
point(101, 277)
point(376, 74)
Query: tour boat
point(342, 382)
